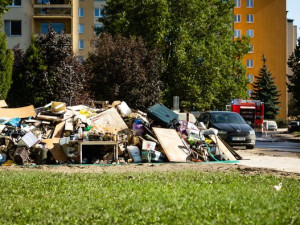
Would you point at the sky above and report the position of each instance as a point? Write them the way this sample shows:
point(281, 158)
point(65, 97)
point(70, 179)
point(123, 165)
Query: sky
point(293, 6)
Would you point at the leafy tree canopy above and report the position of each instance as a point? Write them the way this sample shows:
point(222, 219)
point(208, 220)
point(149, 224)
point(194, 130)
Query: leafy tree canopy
point(195, 40)
point(48, 72)
point(4, 4)
point(264, 89)
point(294, 84)
point(124, 69)
point(6, 63)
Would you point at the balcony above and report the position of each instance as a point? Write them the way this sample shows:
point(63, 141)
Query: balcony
point(52, 12)
point(51, 2)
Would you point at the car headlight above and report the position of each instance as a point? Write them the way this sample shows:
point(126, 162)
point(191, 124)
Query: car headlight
point(252, 132)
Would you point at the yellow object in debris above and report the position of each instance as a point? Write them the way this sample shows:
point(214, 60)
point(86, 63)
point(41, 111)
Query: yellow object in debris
point(58, 107)
point(87, 112)
point(8, 163)
point(208, 141)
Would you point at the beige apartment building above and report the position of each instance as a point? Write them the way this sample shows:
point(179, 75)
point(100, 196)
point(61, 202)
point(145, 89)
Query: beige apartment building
point(75, 18)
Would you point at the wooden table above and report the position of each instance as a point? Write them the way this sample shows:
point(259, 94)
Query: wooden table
point(114, 143)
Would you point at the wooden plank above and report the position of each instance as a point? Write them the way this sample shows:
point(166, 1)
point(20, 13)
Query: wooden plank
point(171, 144)
point(59, 129)
point(55, 149)
point(109, 119)
point(222, 147)
point(236, 155)
point(50, 118)
point(3, 104)
point(23, 112)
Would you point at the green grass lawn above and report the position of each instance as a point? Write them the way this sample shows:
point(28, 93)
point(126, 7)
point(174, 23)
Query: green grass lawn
point(147, 198)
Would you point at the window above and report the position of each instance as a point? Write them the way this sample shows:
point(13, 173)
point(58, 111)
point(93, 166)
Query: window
point(250, 3)
point(237, 33)
point(57, 27)
point(81, 44)
point(98, 12)
point(97, 26)
point(250, 63)
point(13, 27)
point(80, 28)
point(250, 92)
point(250, 78)
point(16, 3)
point(250, 18)
point(250, 33)
point(81, 12)
point(251, 49)
point(237, 3)
point(237, 18)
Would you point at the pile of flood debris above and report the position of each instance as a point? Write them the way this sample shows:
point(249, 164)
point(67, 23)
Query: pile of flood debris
point(104, 133)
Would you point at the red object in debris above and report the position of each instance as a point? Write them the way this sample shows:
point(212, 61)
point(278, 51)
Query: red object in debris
point(250, 110)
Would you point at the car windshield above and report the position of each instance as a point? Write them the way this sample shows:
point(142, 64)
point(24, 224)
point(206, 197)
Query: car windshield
point(227, 118)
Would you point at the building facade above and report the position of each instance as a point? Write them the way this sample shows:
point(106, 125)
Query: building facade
point(291, 36)
point(264, 21)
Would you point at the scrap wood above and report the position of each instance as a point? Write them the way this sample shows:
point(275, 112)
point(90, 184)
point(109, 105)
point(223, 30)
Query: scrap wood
point(22, 112)
point(171, 144)
point(55, 149)
point(222, 147)
point(59, 129)
point(51, 118)
point(236, 155)
point(108, 119)
point(3, 104)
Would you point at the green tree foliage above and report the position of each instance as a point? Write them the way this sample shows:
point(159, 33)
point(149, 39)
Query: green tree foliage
point(48, 72)
point(264, 89)
point(123, 69)
point(3, 5)
point(195, 40)
point(6, 63)
point(294, 85)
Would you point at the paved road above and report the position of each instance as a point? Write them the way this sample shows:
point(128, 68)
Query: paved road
point(278, 146)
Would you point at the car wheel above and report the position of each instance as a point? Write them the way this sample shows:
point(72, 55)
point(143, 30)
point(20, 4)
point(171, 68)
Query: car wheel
point(250, 146)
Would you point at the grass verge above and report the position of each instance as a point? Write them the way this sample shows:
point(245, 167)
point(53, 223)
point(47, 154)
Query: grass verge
point(147, 198)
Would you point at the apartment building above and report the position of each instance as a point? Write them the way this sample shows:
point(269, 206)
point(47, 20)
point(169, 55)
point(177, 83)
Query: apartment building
point(264, 21)
point(291, 36)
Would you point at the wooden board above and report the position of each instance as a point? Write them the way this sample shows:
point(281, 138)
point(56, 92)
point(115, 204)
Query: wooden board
point(23, 112)
point(222, 147)
point(3, 104)
point(236, 155)
point(171, 144)
point(55, 149)
point(59, 129)
point(109, 119)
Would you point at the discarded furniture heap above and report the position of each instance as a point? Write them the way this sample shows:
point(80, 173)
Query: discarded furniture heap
point(110, 133)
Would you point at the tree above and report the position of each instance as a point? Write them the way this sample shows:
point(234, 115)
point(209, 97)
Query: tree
point(195, 40)
point(4, 4)
point(123, 69)
point(294, 85)
point(6, 62)
point(48, 72)
point(265, 90)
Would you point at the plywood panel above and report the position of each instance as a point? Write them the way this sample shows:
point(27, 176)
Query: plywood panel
point(171, 144)
point(109, 119)
point(22, 112)
point(3, 104)
point(55, 149)
point(222, 147)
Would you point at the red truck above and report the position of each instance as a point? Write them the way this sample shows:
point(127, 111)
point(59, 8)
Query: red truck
point(251, 110)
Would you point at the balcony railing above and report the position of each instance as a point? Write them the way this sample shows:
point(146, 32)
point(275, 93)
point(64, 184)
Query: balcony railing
point(52, 12)
point(52, 2)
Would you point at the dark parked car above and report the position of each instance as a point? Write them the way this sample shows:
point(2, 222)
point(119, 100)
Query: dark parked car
point(231, 127)
point(294, 126)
